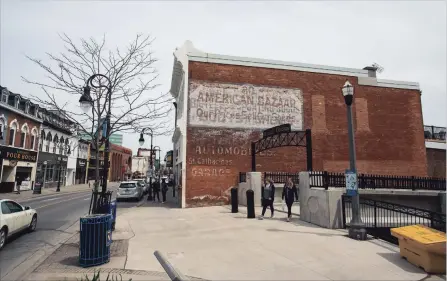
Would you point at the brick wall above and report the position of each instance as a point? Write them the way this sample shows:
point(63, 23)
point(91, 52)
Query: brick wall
point(22, 120)
point(388, 123)
point(436, 163)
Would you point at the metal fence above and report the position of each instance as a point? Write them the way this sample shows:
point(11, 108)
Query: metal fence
point(365, 181)
point(281, 177)
point(379, 217)
point(434, 133)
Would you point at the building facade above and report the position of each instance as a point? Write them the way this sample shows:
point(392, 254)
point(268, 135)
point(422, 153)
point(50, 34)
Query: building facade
point(57, 152)
point(224, 103)
point(82, 160)
point(120, 162)
point(19, 138)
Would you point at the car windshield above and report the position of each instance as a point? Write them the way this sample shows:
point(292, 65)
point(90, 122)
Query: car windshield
point(127, 185)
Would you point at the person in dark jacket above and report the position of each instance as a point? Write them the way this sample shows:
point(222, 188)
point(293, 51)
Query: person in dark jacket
point(268, 195)
point(156, 191)
point(289, 193)
point(164, 189)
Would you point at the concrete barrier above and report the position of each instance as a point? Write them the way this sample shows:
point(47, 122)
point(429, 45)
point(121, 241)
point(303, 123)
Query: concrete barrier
point(319, 206)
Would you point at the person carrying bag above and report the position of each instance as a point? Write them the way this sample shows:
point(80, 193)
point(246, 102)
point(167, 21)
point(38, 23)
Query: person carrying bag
point(289, 193)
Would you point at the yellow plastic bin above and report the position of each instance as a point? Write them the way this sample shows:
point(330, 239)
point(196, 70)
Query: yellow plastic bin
point(422, 246)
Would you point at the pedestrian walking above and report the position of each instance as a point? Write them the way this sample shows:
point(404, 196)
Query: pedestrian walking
point(19, 183)
point(164, 190)
point(289, 193)
point(156, 190)
point(268, 196)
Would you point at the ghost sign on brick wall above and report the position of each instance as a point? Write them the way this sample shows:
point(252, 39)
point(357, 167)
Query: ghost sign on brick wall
point(244, 106)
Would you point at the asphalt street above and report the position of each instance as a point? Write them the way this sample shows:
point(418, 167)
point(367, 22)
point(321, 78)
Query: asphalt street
point(56, 214)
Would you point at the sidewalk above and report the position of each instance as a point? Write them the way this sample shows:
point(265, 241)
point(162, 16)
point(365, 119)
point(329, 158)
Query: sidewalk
point(213, 244)
point(28, 194)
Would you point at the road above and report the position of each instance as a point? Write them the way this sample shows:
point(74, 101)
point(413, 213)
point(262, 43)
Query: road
point(56, 214)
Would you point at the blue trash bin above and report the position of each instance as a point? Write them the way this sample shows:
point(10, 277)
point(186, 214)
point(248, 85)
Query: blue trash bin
point(95, 239)
point(112, 211)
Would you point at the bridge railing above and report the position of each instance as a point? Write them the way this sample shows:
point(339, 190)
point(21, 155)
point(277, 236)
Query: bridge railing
point(434, 133)
point(379, 217)
point(281, 177)
point(327, 179)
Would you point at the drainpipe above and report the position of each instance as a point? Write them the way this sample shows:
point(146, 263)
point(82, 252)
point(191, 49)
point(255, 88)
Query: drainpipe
point(175, 106)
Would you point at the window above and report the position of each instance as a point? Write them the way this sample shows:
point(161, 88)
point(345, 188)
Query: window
point(1, 131)
point(12, 133)
point(23, 135)
point(5, 209)
point(22, 139)
point(55, 143)
point(14, 207)
point(33, 142)
point(50, 170)
point(4, 98)
point(48, 141)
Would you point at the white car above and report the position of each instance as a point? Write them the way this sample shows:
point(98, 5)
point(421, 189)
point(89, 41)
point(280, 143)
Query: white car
point(145, 186)
point(15, 218)
point(129, 190)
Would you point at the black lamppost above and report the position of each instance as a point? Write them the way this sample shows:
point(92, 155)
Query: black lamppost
point(141, 142)
point(157, 148)
point(356, 227)
point(59, 161)
point(86, 103)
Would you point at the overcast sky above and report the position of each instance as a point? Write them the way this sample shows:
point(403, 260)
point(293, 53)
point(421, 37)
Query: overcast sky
point(407, 38)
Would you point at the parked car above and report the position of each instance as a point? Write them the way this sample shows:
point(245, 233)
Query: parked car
point(15, 218)
point(144, 185)
point(129, 190)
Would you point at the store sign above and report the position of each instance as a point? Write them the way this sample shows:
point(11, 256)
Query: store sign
point(11, 153)
point(81, 162)
point(284, 128)
point(169, 158)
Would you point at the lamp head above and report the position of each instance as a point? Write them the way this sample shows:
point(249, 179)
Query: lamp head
point(141, 140)
point(348, 93)
point(86, 101)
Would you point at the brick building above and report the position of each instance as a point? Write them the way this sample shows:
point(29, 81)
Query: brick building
point(436, 151)
point(19, 139)
point(224, 103)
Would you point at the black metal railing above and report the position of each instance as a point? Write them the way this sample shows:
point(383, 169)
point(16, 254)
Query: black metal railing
point(281, 177)
point(434, 133)
point(242, 176)
point(379, 217)
point(365, 181)
point(100, 202)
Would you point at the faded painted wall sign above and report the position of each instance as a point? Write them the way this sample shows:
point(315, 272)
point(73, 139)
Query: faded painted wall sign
point(244, 106)
point(210, 172)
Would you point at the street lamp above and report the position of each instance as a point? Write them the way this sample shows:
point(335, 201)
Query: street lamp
point(86, 103)
point(58, 189)
point(356, 227)
point(157, 148)
point(141, 142)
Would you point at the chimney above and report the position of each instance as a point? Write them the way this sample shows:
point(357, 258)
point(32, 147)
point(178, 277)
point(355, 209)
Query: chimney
point(371, 71)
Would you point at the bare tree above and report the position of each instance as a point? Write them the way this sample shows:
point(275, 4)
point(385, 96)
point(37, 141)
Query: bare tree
point(132, 75)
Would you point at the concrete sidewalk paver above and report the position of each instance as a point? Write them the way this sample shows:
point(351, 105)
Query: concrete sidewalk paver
point(213, 244)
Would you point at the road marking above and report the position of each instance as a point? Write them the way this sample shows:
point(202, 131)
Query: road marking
point(51, 199)
point(88, 198)
point(60, 202)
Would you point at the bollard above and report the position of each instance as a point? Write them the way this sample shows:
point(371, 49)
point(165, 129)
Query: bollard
point(250, 204)
point(234, 200)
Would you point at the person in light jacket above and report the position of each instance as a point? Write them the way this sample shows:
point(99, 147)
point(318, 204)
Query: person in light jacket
point(289, 193)
point(268, 196)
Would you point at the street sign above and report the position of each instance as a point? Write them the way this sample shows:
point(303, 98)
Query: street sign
point(351, 183)
point(284, 128)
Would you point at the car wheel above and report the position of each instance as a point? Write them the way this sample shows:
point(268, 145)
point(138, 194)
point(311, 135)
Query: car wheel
point(3, 235)
point(33, 224)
